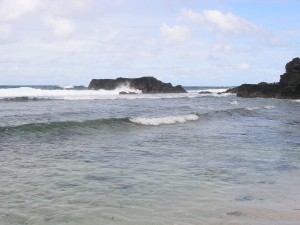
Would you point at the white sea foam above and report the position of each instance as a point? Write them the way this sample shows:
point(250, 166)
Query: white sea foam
point(212, 90)
point(65, 94)
point(255, 108)
point(164, 120)
point(234, 102)
point(71, 94)
point(252, 108)
point(215, 92)
point(68, 93)
point(67, 87)
point(269, 107)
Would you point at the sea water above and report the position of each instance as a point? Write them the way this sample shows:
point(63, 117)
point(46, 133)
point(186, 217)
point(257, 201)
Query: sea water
point(72, 156)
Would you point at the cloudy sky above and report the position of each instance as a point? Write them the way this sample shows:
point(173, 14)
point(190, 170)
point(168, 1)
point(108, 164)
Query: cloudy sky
point(188, 42)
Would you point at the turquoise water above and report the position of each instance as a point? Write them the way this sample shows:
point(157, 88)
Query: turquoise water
point(82, 157)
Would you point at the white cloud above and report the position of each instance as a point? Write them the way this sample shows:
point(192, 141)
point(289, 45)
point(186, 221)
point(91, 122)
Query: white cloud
point(110, 37)
point(144, 54)
point(13, 10)
point(176, 34)
point(67, 8)
point(278, 42)
point(5, 32)
point(219, 47)
point(215, 20)
point(244, 66)
point(61, 27)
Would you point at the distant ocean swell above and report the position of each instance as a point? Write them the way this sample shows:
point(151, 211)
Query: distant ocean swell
point(23, 99)
point(138, 121)
point(95, 124)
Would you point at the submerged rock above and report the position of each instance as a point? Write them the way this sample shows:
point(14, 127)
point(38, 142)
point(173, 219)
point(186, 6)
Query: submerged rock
point(145, 84)
point(287, 88)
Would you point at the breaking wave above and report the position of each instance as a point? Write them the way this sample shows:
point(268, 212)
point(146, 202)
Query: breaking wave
point(57, 126)
point(29, 93)
point(95, 124)
point(255, 108)
point(69, 92)
point(164, 120)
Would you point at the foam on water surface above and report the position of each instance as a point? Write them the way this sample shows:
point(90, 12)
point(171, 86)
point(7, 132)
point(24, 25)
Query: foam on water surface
point(164, 120)
point(70, 92)
point(63, 94)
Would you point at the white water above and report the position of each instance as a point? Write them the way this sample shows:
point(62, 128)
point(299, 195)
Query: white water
point(67, 86)
point(234, 102)
point(164, 120)
point(255, 108)
point(213, 91)
point(63, 94)
point(67, 94)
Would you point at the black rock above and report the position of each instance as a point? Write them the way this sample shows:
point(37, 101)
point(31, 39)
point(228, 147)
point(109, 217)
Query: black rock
point(145, 84)
point(126, 93)
point(287, 88)
point(205, 92)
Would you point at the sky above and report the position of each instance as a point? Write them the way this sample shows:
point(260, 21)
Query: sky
point(187, 42)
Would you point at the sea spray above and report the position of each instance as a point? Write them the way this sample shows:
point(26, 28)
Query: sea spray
point(66, 94)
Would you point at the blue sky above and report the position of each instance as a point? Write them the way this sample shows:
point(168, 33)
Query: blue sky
point(188, 42)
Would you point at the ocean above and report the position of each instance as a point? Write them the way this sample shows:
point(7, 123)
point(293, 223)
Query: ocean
point(72, 156)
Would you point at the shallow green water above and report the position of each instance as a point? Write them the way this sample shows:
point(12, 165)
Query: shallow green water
point(149, 159)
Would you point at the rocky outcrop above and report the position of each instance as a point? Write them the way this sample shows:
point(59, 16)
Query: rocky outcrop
point(264, 90)
point(287, 88)
point(145, 84)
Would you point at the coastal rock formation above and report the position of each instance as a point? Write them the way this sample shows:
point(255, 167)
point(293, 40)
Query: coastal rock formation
point(145, 84)
point(287, 88)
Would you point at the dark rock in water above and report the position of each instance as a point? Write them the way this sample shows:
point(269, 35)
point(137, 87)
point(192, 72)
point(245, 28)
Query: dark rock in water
point(287, 88)
point(235, 213)
point(290, 80)
point(205, 92)
point(126, 93)
point(145, 84)
point(257, 90)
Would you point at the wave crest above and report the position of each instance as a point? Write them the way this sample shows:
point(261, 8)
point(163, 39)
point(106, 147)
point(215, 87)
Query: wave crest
point(255, 108)
point(164, 120)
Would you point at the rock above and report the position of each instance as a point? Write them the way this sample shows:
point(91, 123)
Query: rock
point(257, 90)
point(235, 213)
point(290, 80)
point(145, 84)
point(205, 92)
point(287, 88)
point(126, 93)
